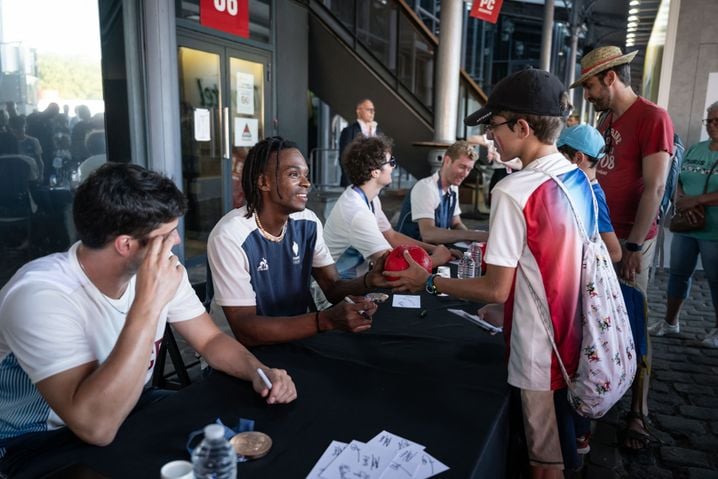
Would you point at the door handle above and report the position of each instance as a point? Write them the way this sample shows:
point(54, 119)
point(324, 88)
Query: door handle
point(225, 137)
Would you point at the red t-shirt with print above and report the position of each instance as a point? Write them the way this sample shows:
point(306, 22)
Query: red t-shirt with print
point(642, 130)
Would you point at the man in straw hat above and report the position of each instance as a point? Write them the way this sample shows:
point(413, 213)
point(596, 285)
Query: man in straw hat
point(639, 144)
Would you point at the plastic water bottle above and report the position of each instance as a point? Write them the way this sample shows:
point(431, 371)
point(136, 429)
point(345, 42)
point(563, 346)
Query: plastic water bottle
point(466, 266)
point(476, 254)
point(214, 458)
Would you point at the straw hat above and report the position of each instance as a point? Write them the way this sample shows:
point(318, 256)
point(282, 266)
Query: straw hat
point(600, 59)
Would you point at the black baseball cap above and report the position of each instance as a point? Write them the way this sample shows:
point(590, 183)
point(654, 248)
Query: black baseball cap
point(531, 91)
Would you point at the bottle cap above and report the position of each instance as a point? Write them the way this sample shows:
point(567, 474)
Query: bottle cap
point(213, 431)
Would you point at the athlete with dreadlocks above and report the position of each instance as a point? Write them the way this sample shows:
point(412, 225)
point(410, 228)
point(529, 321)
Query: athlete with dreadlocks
point(263, 255)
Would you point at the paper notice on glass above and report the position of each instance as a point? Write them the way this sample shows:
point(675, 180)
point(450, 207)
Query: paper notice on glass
point(245, 93)
point(359, 460)
point(246, 131)
point(430, 466)
point(406, 301)
point(334, 449)
point(201, 124)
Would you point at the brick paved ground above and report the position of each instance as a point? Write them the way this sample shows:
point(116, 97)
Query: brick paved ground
point(683, 401)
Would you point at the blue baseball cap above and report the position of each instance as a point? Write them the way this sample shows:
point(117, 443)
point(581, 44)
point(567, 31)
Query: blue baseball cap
point(583, 138)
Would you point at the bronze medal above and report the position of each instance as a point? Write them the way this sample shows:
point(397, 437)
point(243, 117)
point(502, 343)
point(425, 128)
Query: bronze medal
point(251, 444)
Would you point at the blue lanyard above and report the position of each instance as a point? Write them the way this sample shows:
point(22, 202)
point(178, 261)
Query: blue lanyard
point(363, 195)
point(445, 211)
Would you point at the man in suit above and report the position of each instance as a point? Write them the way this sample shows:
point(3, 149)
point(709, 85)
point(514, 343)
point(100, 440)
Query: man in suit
point(364, 125)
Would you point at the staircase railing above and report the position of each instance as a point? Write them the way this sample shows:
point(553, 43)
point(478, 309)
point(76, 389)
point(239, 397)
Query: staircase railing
point(401, 47)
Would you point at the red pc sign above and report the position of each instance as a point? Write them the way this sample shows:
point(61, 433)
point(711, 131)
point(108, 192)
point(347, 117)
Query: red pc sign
point(231, 16)
point(487, 10)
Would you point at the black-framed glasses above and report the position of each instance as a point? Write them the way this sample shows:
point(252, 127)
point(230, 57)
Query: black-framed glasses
point(710, 121)
point(490, 127)
point(391, 162)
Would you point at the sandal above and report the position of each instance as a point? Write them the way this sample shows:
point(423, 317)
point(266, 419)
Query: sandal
point(633, 436)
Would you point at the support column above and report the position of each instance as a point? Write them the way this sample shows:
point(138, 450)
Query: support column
point(571, 64)
point(546, 36)
point(161, 94)
point(448, 66)
point(162, 89)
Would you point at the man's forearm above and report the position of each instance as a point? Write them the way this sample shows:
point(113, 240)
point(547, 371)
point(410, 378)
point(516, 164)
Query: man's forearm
point(397, 239)
point(229, 356)
point(645, 214)
point(97, 406)
point(254, 330)
point(436, 235)
point(344, 287)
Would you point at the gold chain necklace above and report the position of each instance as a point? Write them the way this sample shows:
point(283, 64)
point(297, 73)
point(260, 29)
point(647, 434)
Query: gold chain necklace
point(267, 234)
point(107, 300)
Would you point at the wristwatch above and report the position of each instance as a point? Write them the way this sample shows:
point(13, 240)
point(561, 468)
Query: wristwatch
point(633, 246)
point(430, 286)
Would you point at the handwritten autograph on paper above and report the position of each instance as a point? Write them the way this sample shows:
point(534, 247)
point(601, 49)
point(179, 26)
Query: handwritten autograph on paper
point(386, 456)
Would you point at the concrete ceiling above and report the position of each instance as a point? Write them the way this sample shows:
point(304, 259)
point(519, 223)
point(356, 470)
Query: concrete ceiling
point(607, 20)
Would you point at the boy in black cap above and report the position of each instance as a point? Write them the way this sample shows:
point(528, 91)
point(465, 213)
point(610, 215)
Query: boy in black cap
point(533, 240)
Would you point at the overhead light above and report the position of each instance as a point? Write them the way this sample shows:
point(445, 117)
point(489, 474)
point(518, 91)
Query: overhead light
point(632, 18)
point(631, 35)
point(633, 11)
point(632, 25)
point(631, 29)
point(634, 3)
point(630, 43)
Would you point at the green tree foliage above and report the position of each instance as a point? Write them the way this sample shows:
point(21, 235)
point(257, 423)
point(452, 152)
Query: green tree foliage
point(71, 76)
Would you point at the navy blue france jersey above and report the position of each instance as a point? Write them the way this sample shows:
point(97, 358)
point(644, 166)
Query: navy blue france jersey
point(251, 270)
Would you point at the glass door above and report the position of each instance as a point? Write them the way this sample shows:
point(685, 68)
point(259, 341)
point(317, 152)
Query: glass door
point(223, 105)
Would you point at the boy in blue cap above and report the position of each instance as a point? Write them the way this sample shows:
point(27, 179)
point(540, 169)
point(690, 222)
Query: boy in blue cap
point(583, 145)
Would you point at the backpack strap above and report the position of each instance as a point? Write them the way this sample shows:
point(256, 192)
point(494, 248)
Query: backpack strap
point(545, 319)
point(581, 227)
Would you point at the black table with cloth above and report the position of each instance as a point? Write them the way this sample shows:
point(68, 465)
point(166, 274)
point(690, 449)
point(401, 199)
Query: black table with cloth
point(438, 380)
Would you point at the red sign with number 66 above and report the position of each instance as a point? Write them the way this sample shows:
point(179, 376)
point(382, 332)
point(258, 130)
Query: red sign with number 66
point(231, 16)
point(487, 10)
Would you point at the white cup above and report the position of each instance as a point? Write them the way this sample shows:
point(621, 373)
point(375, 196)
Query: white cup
point(444, 271)
point(177, 470)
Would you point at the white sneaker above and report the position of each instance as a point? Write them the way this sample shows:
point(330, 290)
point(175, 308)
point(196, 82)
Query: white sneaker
point(661, 328)
point(711, 340)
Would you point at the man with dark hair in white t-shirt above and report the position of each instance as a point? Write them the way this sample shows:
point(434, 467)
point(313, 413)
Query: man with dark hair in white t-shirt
point(80, 330)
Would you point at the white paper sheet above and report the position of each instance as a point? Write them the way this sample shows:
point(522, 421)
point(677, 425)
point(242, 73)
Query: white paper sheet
point(246, 131)
point(391, 441)
point(476, 320)
point(407, 458)
point(462, 244)
point(385, 456)
point(334, 449)
point(406, 301)
point(245, 93)
point(201, 124)
point(359, 460)
point(430, 466)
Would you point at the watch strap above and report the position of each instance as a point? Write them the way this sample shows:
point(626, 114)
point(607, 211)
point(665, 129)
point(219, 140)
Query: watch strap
point(634, 247)
point(430, 286)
